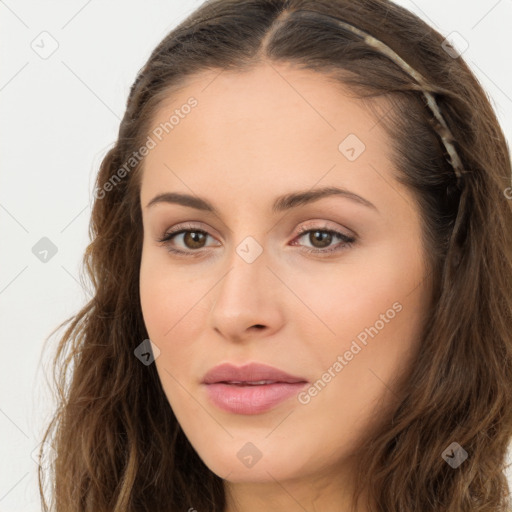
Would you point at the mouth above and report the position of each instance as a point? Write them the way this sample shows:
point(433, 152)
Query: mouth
point(250, 389)
point(251, 383)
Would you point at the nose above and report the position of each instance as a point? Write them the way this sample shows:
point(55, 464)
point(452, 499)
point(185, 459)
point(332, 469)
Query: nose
point(247, 300)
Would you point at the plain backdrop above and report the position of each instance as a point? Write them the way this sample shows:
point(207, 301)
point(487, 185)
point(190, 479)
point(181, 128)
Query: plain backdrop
point(66, 71)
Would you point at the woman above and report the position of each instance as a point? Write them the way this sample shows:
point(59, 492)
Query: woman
point(302, 262)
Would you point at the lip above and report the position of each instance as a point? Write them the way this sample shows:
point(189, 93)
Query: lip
point(252, 372)
point(245, 398)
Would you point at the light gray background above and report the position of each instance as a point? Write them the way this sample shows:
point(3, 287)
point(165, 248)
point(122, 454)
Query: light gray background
point(59, 115)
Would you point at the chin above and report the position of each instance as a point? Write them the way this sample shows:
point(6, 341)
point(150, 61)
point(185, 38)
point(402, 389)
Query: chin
point(240, 460)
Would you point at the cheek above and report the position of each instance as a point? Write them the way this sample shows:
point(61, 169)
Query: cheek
point(371, 323)
point(166, 302)
point(371, 314)
point(165, 295)
point(153, 298)
point(377, 307)
point(174, 308)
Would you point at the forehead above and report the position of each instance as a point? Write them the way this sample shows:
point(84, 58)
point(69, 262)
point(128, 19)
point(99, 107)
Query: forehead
point(270, 128)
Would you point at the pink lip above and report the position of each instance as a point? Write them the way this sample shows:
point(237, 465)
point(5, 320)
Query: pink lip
point(246, 398)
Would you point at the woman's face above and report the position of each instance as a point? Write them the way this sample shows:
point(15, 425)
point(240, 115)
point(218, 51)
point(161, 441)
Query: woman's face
point(245, 288)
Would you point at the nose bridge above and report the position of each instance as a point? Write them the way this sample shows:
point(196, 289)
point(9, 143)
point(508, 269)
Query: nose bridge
point(244, 296)
point(245, 275)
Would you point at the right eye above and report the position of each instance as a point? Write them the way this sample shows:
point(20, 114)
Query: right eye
point(192, 239)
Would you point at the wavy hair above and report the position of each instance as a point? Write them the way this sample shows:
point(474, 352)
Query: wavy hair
point(119, 446)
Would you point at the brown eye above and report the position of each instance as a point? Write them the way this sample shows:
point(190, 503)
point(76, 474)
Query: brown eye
point(194, 239)
point(186, 239)
point(320, 239)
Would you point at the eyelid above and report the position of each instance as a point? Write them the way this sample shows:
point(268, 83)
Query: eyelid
point(189, 226)
point(323, 225)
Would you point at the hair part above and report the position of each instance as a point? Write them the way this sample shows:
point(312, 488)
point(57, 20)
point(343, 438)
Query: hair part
point(119, 445)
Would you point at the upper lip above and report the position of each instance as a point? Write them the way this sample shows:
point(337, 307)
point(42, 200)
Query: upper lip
point(251, 372)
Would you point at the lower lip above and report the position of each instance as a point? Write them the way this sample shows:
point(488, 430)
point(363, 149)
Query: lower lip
point(251, 399)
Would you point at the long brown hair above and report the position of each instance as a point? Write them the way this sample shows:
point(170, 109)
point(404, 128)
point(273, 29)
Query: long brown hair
point(119, 446)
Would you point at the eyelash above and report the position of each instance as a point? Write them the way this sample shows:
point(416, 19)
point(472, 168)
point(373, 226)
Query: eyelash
point(348, 241)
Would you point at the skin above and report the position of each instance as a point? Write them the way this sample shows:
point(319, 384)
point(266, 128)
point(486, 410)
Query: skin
point(252, 137)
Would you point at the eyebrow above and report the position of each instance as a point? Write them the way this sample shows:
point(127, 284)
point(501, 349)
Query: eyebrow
point(282, 203)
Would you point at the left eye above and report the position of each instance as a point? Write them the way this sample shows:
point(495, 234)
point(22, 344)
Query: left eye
point(194, 239)
point(324, 237)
